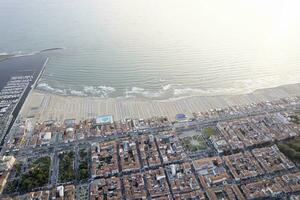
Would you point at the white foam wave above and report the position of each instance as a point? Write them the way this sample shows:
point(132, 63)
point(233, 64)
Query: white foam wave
point(141, 92)
point(102, 91)
point(170, 86)
point(175, 91)
point(46, 87)
point(165, 92)
point(77, 93)
point(98, 91)
point(167, 87)
point(135, 90)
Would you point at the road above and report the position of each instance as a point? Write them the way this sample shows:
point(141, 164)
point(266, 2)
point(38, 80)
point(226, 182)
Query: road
point(57, 146)
point(199, 124)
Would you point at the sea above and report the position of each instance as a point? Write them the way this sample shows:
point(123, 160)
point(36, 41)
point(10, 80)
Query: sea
point(156, 50)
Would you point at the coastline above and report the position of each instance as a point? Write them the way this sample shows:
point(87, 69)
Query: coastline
point(45, 106)
point(5, 56)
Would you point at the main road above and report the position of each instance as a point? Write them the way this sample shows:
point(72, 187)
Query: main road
point(60, 146)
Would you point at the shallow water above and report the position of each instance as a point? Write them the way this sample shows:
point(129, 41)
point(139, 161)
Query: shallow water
point(157, 49)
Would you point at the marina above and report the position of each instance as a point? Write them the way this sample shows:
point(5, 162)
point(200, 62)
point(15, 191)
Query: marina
point(18, 78)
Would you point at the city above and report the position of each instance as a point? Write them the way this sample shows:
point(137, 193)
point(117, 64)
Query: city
point(241, 152)
point(149, 100)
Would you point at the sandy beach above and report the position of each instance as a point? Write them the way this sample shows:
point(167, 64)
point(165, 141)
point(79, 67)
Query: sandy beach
point(45, 106)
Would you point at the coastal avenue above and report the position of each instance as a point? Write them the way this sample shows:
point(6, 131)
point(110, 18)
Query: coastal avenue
point(30, 151)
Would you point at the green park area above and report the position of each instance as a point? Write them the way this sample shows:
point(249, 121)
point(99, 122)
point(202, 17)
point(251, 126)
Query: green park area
point(295, 119)
point(66, 167)
point(35, 175)
point(193, 143)
point(83, 165)
point(208, 131)
point(291, 149)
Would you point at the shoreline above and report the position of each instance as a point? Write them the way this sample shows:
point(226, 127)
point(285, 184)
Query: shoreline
point(5, 57)
point(44, 106)
point(148, 99)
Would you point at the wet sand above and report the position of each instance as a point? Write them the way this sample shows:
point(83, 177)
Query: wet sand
point(45, 106)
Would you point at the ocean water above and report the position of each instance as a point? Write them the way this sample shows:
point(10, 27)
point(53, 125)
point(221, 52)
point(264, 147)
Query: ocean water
point(156, 49)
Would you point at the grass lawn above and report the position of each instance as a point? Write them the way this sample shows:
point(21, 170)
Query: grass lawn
point(208, 131)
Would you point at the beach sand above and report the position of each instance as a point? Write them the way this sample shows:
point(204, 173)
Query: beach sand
point(45, 106)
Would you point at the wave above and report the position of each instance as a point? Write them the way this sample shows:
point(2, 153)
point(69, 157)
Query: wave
point(170, 86)
point(167, 87)
point(102, 91)
point(167, 92)
point(141, 92)
point(4, 54)
point(46, 87)
point(177, 91)
point(97, 91)
point(78, 93)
